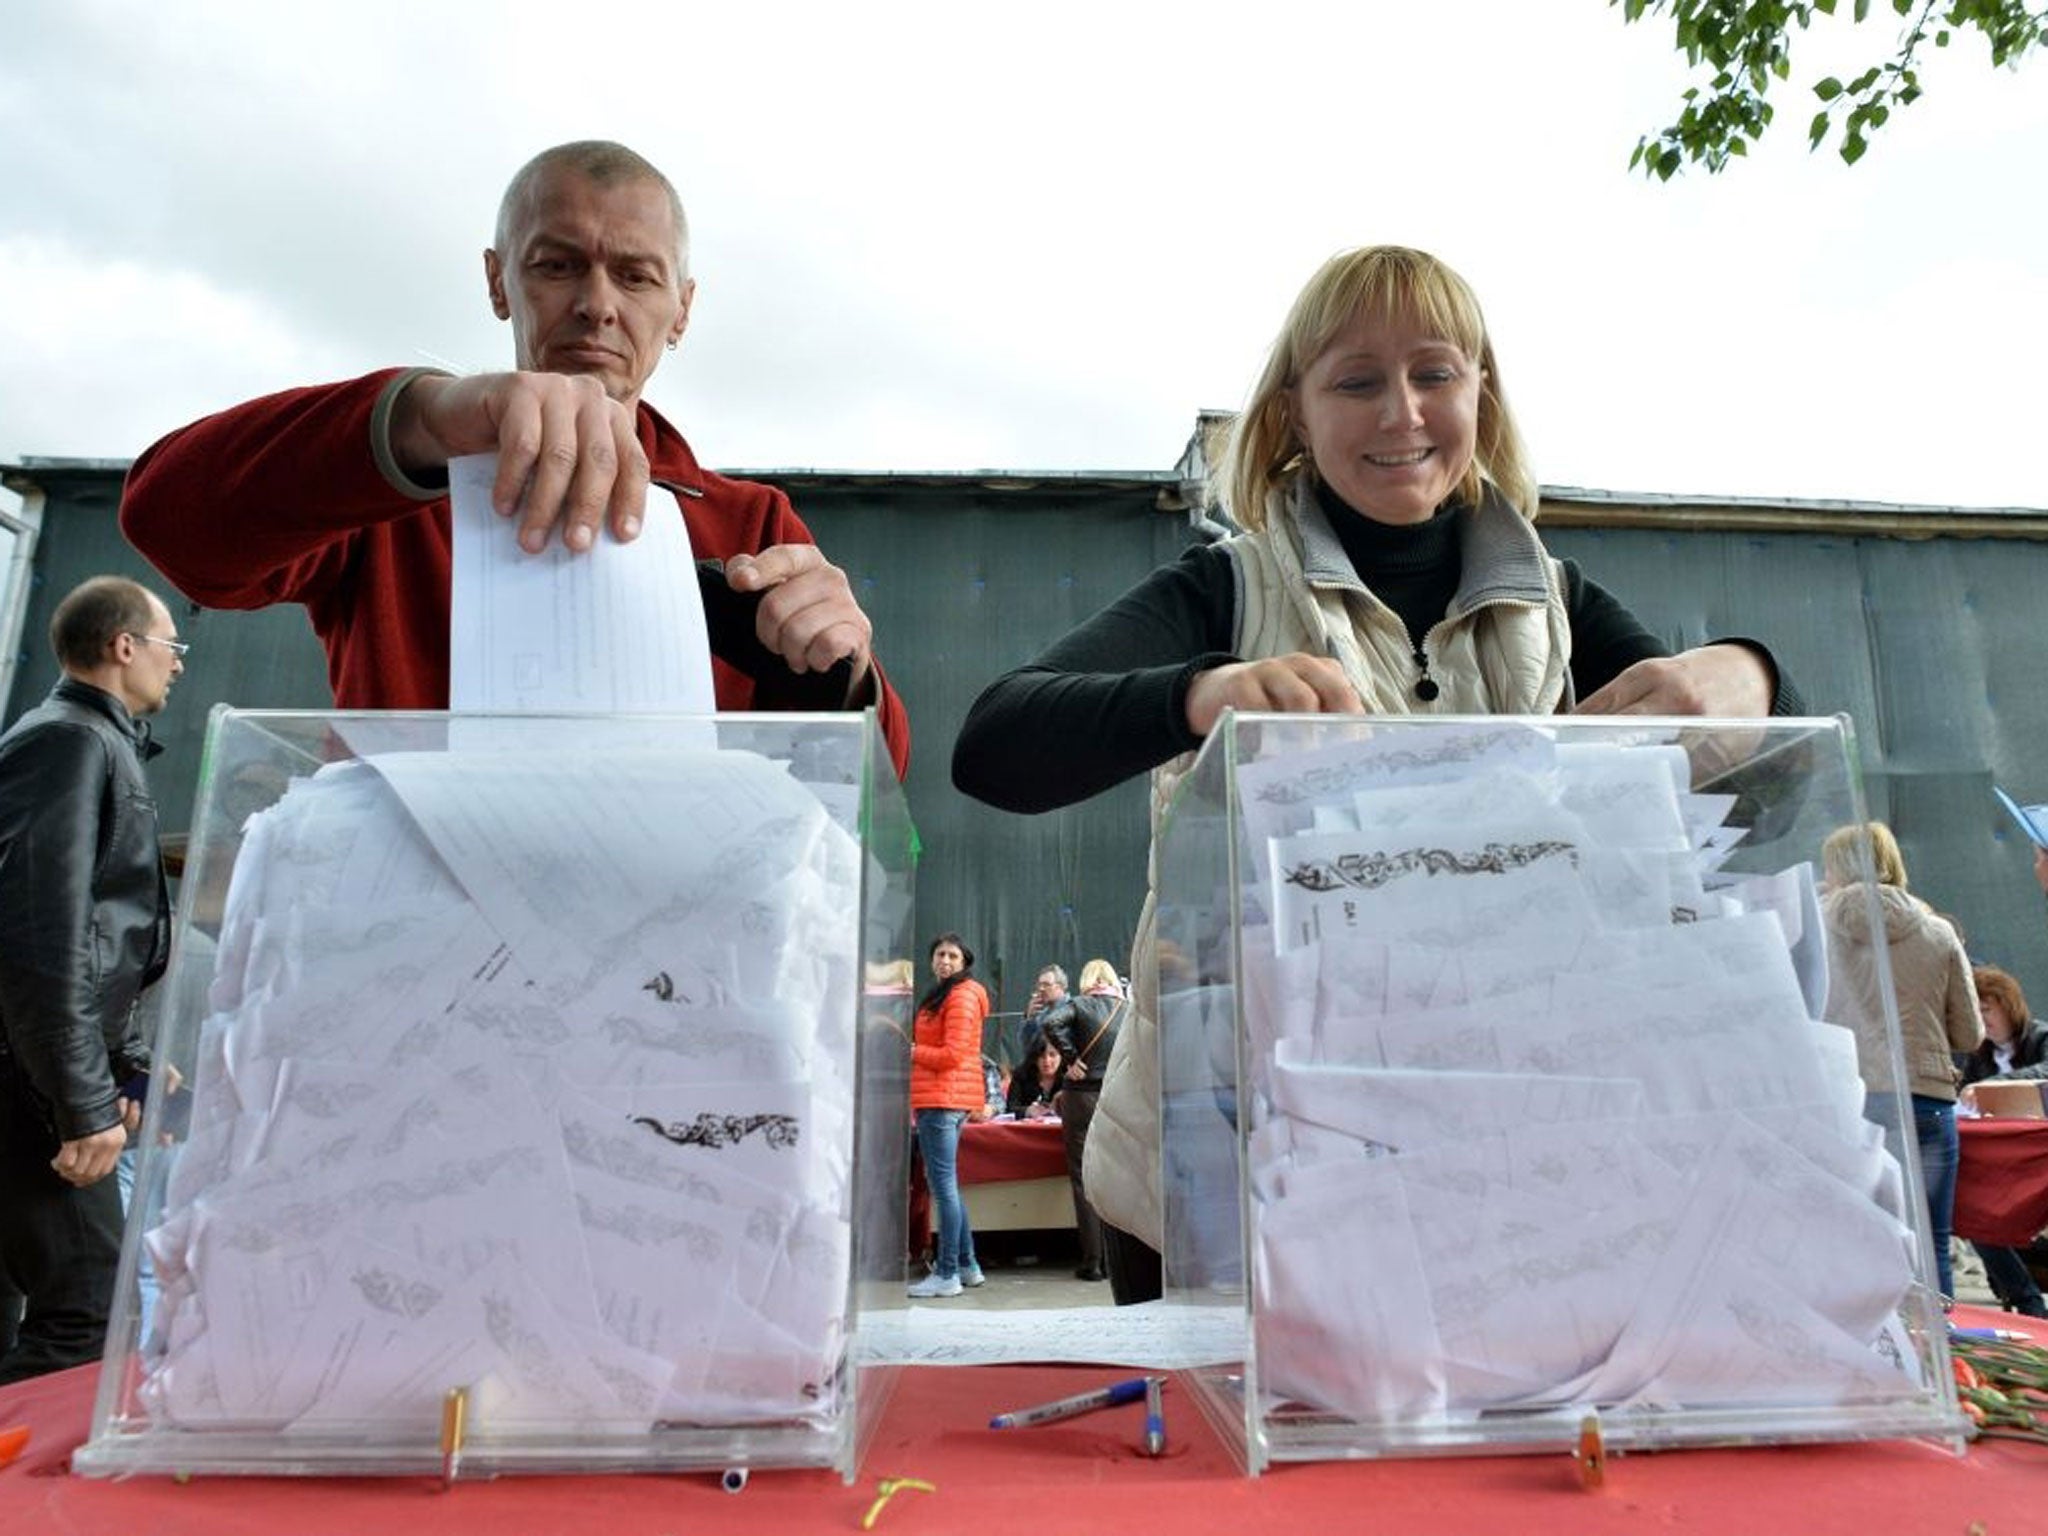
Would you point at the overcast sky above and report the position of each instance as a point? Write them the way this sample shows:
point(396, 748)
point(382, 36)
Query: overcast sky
point(1031, 237)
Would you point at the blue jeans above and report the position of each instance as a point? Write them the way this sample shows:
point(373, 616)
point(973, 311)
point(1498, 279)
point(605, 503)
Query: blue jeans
point(938, 1141)
point(145, 1273)
point(1934, 1124)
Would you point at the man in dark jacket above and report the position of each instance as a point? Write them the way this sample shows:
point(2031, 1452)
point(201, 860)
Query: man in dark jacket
point(84, 927)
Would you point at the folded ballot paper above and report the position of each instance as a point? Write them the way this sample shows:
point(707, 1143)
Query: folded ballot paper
point(1541, 1111)
point(525, 1072)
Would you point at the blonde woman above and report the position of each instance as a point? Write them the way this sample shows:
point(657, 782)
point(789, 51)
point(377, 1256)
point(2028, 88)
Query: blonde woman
point(1389, 564)
point(1937, 1006)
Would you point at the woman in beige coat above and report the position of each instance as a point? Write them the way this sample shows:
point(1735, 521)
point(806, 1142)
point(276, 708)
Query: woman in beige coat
point(1937, 1005)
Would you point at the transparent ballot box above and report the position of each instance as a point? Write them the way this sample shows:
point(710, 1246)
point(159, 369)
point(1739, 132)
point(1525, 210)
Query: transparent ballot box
point(1530, 1084)
point(532, 1116)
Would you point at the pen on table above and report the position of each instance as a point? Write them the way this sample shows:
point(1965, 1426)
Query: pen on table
point(2009, 1335)
point(1086, 1402)
point(733, 1479)
point(1155, 1419)
point(454, 1414)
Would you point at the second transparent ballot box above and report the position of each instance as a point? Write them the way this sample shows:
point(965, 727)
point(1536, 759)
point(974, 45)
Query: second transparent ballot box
point(532, 1116)
point(1525, 1081)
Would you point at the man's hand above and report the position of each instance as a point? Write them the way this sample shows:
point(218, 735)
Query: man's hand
point(91, 1158)
point(2041, 868)
point(1713, 680)
point(1295, 684)
point(808, 616)
point(569, 457)
point(1076, 1071)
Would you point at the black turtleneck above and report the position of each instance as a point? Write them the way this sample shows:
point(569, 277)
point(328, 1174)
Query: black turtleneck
point(1411, 567)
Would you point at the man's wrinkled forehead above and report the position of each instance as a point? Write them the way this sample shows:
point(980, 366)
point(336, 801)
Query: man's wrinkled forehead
point(524, 215)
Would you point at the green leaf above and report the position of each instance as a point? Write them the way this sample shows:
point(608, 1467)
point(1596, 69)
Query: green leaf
point(1827, 89)
point(1817, 130)
point(1853, 146)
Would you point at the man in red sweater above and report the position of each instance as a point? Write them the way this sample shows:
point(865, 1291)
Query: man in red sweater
point(335, 496)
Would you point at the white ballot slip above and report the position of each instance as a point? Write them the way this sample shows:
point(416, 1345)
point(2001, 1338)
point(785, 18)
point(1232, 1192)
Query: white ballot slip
point(617, 629)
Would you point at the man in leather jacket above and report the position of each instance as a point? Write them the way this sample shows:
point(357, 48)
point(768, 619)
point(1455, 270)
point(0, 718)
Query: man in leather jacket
point(84, 927)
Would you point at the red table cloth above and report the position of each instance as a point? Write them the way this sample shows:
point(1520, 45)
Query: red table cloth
point(2002, 1181)
point(993, 1151)
point(991, 1481)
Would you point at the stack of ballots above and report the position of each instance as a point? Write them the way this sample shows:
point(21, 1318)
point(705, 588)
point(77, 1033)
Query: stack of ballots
point(1541, 1112)
point(527, 1072)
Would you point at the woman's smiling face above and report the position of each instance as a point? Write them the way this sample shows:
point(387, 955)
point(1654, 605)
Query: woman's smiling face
point(1390, 415)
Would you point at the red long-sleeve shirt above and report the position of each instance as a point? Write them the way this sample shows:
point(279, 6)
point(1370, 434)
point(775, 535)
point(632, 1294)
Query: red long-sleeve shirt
point(282, 500)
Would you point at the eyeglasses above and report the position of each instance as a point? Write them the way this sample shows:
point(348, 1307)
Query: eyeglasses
point(175, 647)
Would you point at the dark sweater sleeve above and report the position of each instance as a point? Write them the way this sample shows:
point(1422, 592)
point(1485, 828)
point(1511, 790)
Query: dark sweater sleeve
point(1109, 700)
point(1607, 640)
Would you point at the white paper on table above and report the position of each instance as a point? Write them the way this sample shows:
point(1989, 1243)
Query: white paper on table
point(616, 629)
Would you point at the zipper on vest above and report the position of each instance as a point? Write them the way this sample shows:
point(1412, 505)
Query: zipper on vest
point(1425, 685)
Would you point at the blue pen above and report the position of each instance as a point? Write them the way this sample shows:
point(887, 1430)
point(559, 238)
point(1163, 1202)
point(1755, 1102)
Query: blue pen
point(1155, 1419)
point(1086, 1402)
point(2010, 1335)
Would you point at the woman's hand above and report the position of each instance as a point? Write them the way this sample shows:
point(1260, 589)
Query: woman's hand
point(1295, 684)
point(1722, 681)
point(2041, 868)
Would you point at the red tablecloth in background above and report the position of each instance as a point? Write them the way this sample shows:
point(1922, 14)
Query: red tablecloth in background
point(2002, 1181)
point(993, 1151)
point(994, 1481)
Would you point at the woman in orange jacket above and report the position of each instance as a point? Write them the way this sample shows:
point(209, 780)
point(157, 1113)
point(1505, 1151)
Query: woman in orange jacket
point(946, 1085)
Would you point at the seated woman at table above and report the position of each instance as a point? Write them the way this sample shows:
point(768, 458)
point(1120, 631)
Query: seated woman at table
point(1937, 1008)
point(2015, 1046)
point(946, 1086)
point(1390, 565)
point(1035, 1086)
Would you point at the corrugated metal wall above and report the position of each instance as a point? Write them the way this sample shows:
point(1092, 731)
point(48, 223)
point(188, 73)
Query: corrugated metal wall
point(1934, 647)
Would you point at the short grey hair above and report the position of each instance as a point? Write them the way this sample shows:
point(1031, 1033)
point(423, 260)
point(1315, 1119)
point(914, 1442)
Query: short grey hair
point(599, 160)
point(1058, 975)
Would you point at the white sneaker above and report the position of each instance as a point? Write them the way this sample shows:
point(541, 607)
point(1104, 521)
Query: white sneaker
point(934, 1287)
point(972, 1276)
